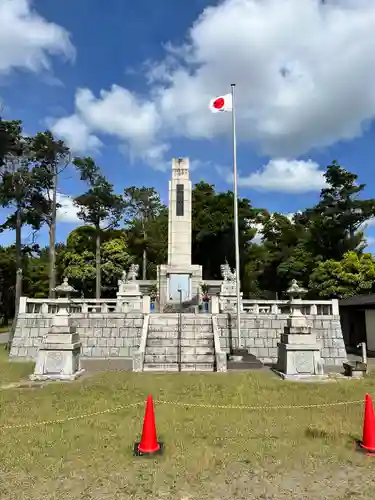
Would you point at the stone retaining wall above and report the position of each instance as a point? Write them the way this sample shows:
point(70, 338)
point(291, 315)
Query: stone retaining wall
point(104, 335)
point(117, 335)
point(261, 335)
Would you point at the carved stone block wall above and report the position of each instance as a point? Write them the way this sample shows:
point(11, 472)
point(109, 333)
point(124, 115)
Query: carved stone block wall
point(107, 335)
point(261, 335)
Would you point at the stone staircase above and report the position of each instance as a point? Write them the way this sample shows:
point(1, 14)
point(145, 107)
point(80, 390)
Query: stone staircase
point(194, 351)
point(176, 307)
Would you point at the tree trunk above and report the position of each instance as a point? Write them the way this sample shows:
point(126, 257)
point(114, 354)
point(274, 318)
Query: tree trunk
point(144, 256)
point(18, 293)
point(144, 264)
point(98, 281)
point(52, 241)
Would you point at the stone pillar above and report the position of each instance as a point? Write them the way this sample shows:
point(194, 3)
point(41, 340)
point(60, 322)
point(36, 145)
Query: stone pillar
point(214, 305)
point(59, 356)
point(179, 215)
point(298, 351)
point(179, 273)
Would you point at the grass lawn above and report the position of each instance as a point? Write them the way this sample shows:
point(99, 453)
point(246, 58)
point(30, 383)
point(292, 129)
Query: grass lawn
point(12, 372)
point(5, 329)
point(210, 453)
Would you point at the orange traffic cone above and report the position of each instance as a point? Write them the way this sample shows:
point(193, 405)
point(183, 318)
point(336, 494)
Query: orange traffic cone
point(149, 444)
point(367, 445)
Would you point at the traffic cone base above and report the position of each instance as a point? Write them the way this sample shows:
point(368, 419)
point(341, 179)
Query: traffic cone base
point(365, 450)
point(138, 453)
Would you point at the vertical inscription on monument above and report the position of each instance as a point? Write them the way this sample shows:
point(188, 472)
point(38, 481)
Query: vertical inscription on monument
point(179, 200)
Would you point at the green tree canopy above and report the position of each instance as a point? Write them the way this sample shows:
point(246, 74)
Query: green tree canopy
point(79, 259)
point(213, 228)
point(335, 223)
point(143, 209)
point(99, 206)
point(353, 275)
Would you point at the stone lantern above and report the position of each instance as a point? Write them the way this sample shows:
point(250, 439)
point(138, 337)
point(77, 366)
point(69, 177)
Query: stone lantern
point(298, 349)
point(64, 290)
point(59, 355)
point(296, 294)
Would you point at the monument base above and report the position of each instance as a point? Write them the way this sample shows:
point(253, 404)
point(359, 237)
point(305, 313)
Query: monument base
point(167, 282)
point(301, 377)
point(57, 361)
point(56, 376)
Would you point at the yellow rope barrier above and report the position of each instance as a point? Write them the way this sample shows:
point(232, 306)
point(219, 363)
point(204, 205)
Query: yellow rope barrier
point(176, 403)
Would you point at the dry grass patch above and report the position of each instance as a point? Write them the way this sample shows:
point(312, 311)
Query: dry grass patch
point(12, 372)
point(209, 453)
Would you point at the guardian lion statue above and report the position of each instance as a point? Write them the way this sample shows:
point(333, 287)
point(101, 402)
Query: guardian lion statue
point(227, 273)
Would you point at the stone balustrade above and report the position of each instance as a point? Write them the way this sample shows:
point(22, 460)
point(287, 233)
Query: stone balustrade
point(282, 307)
point(83, 306)
point(253, 307)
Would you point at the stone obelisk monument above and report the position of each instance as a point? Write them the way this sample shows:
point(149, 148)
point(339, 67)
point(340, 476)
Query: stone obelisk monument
point(179, 273)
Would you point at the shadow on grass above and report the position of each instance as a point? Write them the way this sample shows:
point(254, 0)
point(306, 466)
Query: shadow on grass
point(332, 436)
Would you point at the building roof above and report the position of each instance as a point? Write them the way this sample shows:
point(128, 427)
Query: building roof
point(359, 300)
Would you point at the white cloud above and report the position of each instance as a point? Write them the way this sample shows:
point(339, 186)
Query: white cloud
point(303, 70)
point(288, 176)
point(369, 223)
point(76, 133)
point(67, 212)
point(27, 40)
point(118, 113)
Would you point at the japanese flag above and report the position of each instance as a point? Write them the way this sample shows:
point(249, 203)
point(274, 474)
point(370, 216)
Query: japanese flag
point(221, 103)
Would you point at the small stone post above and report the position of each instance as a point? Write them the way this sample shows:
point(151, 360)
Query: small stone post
point(59, 355)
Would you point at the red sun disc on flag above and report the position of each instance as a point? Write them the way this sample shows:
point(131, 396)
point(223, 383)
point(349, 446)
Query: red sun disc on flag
point(218, 103)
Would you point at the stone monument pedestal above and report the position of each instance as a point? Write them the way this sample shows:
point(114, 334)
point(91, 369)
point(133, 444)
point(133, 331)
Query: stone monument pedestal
point(228, 304)
point(299, 355)
point(58, 358)
point(228, 296)
point(59, 355)
point(129, 294)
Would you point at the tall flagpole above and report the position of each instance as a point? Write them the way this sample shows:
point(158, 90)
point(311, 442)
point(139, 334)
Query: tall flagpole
point(236, 231)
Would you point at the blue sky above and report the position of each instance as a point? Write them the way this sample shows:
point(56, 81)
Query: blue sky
point(129, 84)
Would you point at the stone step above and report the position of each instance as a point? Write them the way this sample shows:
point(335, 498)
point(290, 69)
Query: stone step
point(160, 367)
point(197, 367)
point(175, 328)
point(174, 358)
point(191, 316)
point(184, 331)
point(248, 362)
point(184, 335)
point(244, 365)
point(175, 322)
point(174, 367)
point(174, 350)
point(171, 342)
